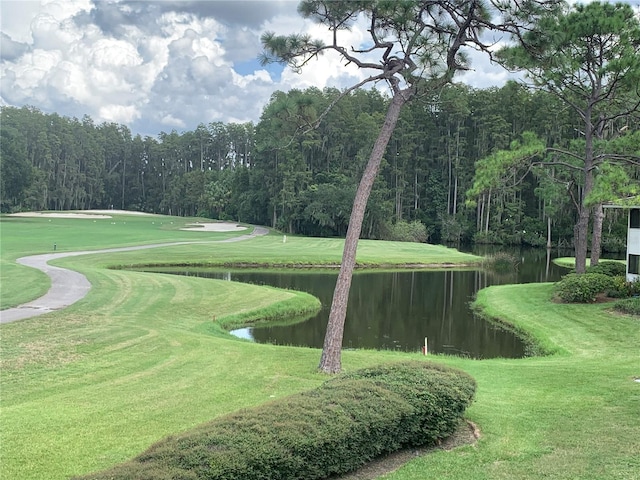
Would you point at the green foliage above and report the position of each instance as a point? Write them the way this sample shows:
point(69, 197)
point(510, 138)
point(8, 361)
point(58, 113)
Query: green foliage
point(328, 431)
point(622, 288)
point(451, 229)
point(583, 288)
point(630, 306)
point(501, 262)
point(601, 38)
point(613, 181)
point(492, 170)
point(588, 57)
point(438, 394)
point(261, 176)
point(488, 238)
point(403, 231)
point(15, 170)
point(611, 243)
point(613, 269)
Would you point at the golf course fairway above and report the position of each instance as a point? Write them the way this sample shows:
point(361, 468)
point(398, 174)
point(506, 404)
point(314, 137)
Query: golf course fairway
point(144, 356)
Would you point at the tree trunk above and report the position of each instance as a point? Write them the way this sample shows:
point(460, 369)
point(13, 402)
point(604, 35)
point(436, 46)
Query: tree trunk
point(596, 237)
point(486, 228)
point(449, 171)
point(416, 196)
point(455, 196)
point(580, 239)
point(331, 359)
point(584, 212)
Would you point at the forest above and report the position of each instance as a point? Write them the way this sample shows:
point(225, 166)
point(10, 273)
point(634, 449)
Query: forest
point(523, 164)
point(304, 183)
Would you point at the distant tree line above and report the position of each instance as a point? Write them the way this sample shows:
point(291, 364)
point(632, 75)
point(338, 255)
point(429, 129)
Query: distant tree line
point(302, 180)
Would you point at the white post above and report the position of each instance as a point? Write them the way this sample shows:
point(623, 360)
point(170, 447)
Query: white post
point(425, 349)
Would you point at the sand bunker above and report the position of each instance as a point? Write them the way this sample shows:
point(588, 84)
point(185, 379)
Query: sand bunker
point(213, 227)
point(103, 214)
point(119, 212)
point(78, 214)
point(59, 215)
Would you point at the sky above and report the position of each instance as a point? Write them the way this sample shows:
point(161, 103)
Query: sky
point(157, 66)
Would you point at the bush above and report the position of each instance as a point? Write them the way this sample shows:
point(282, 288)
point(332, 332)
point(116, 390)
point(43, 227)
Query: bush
point(583, 288)
point(630, 306)
point(501, 262)
point(619, 289)
point(403, 231)
point(623, 289)
point(439, 395)
point(331, 430)
point(612, 269)
point(534, 239)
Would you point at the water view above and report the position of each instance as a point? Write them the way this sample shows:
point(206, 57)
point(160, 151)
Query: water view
point(397, 310)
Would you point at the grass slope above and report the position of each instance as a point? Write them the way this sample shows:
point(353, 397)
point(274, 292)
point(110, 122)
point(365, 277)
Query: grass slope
point(141, 358)
point(20, 236)
point(573, 414)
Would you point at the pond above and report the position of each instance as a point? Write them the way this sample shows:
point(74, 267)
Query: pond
point(397, 310)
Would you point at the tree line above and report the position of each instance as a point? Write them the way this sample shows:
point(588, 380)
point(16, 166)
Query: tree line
point(281, 173)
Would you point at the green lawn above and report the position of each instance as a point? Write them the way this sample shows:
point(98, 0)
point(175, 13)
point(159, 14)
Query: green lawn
point(570, 262)
point(142, 357)
point(26, 236)
point(574, 414)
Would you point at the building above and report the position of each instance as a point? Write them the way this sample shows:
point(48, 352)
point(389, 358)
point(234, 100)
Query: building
point(633, 245)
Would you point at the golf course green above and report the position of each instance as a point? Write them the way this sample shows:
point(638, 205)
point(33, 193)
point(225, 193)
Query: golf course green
point(144, 355)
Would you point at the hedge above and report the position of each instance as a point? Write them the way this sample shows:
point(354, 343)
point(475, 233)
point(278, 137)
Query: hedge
point(583, 288)
point(331, 430)
point(612, 269)
point(630, 306)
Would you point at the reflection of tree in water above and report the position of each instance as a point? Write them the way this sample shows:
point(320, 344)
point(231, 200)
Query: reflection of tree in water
point(396, 310)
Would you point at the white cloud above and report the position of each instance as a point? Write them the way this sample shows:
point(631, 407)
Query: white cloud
point(172, 121)
point(246, 81)
point(34, 68)
point(162, 64)
point(110, 53)
point(119, 114)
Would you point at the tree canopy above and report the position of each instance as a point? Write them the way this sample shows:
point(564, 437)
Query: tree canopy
point(588, 57)
point(415, 47)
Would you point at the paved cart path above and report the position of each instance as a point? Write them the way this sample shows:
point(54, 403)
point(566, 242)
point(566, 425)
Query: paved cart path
point(69, 286)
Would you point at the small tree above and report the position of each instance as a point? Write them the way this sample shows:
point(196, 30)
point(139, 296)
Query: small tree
point(419, 47)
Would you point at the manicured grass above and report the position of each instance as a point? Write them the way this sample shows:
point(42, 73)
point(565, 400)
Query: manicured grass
point(573, 414)
point(91, 385)
point(570, 262)
point(141, 357)
point(20, 236)
point(26, 236)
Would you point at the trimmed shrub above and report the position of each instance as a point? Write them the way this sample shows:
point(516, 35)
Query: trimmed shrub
point(583, 288)
point(331, 430)
point(623, 289)
point(439, 394)
point(612, 269)
point(620, 288)
point(403, 231)
point(630, 306)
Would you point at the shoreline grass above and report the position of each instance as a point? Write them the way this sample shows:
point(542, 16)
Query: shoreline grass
point(21, 236)
point(570, 262)
point(141, 358)
point(573, 414)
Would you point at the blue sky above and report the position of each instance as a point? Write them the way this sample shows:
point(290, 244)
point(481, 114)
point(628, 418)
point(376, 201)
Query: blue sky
point(161, 65)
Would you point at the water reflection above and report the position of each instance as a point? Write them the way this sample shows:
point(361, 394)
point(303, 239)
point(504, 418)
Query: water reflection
point(397, 310)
